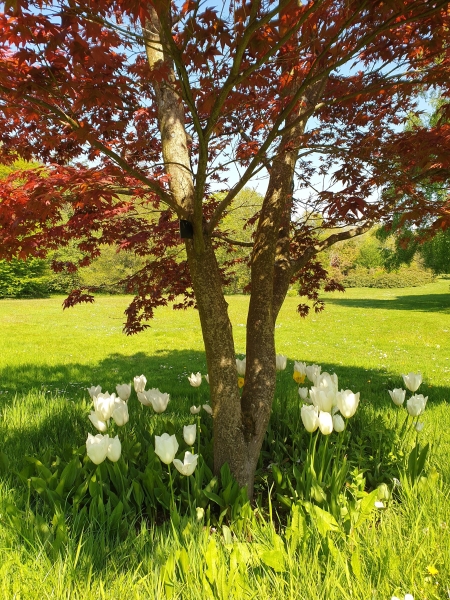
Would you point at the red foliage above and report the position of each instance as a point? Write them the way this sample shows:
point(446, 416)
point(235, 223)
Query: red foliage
point(77, 96)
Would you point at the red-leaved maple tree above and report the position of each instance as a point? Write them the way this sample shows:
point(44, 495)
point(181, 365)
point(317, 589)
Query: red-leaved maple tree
point(136, 110)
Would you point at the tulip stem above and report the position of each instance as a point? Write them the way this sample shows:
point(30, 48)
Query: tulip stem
point(171, 489)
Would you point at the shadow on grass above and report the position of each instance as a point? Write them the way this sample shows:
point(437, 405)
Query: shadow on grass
point(422, 303)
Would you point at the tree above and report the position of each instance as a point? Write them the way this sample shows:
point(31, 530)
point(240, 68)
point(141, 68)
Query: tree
point(137, 108)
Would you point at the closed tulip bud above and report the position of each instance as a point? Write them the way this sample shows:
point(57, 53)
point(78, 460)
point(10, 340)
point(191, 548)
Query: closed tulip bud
point(195, 379)
point(325, 423)
point(200, 513)
point(208, 409)
point(97, 447)
point(300, 367)
point(412, 381)
point(419, 427)
point(416, 405)
point(94, 390)
point(189, 434)
point(120, 413)
point(114, 449)
point(123, 391)
point(347, 402)
point(240, 366)
point(97, 423)
point(166, 447)
point(397, 396)
point(310, 417)
point(187, 467)
point(280, 362)
point(303, 393)
point(139, 383)
point(195, 410)
point(207, 378)
point(338, 423)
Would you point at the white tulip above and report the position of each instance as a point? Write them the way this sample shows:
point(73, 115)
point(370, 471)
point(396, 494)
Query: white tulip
point(97, 447)
point(325, 381)
point(104, 405)
point(397, 396)
point(240, 366)
point(208, 409)
point(325, 423)
point(94, 390)
point(200, 513)
point(114, 449)
point(419, 427)
point(338, 423)
point(412, 381)
point(303, 393)
point(189, 434)
point(195, 379)
point(347, 402)
point(187, 467)
point(158, 400)
point(195, 410)
point(166, 447)
point(416, 405)
point(139, 383)
point(120, 413)
point(280, 362)
point(123, 391)
point(98, 423)
point(207, 378)
point(300, 367)
point(144, 398)
point(310, 417)
point(312, 371)
point(323, 398)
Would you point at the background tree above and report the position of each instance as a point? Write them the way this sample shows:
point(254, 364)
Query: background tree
point(138, 108)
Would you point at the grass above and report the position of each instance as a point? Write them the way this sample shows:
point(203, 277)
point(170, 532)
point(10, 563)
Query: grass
point(368, 337)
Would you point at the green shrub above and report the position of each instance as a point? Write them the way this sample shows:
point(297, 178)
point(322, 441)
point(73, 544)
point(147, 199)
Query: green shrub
point(23, 278)
point(380, 278)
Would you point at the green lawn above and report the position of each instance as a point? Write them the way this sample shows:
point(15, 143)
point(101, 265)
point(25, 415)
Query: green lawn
point(368, 337)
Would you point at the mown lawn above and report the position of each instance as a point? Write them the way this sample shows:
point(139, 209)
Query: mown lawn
point(48, 357)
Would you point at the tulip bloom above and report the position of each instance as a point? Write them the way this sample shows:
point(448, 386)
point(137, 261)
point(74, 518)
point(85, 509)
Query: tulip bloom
point(195, 379)
point(323, 398)
point(412, 381)
point(419, 427)
point(240, 366)
point(312, 371)
point(347, 402)
point(158, 400)
point(338, 423)
point(187, 467)
point(241, 382)
point(397, 396)
point(120, 413)
point(303, 393)
point(94, 390)
point(104, 405)
point(166, 447)
point(144, 398)
point(139, 383)
point(189, 434)
point(195, 410)
point(416, 405)
point(114, 449)
point(123, 391)
point(207, 408)
point(325, 423)
point(310, 417)
point(97, 447)
point(207, 378)
point(280, 362)
point(98, 423)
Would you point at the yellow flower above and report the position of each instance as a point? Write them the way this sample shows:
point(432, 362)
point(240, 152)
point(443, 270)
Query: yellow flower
point(432, 570)
point(299, 378)
point(240, 382)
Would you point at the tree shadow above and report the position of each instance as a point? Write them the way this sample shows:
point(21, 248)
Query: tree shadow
point(422, 303)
